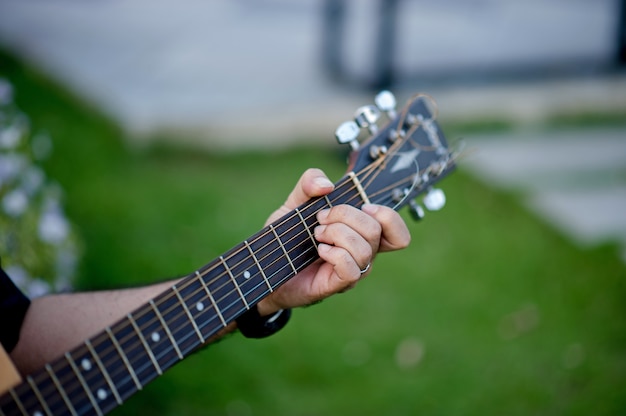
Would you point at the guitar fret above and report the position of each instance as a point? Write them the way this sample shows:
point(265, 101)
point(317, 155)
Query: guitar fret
point(124, 358)
point(61, 390)
point(230, 273)
point(161, 332)
point(145, 344)
point(104, 372)
point(306, 227)
point(193, 322)
point(167, 330)
point(225, 291)
point(208, 292)
point(44, 405)
point(293, 231)
point(133, 350)
point(303, 258)
point(283, 248)
point(17, 400)
point(267, 250)
point(82, 381)
point(258, 265)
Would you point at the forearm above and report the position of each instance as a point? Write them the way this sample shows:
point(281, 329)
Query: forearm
point(55, 324)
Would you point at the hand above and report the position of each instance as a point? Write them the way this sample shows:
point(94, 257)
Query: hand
point(349, 240)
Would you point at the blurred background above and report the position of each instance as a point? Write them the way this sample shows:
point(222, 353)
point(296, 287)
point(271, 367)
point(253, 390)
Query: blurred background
point(175, 128)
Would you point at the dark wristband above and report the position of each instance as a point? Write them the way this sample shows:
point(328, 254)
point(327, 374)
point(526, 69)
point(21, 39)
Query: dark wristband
point(252, 325)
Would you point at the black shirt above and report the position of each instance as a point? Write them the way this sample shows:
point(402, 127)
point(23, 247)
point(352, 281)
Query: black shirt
point(13, 307)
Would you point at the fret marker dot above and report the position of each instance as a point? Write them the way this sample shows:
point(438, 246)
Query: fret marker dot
point(102, 394)
point(199, 306)
point(246, 274)
point(37, 413)
point(86, 364)
point(155, 337)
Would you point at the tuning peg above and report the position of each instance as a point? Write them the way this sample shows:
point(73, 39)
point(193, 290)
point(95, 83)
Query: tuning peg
point(416, 210)
point(434, 199)
point(377, 151)
point(367, 116)
point(348, 132)
point(386, 102)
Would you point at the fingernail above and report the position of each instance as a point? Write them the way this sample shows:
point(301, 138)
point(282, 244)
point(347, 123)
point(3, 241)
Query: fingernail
point(323, 248)
point(323, 214)
point(323, 182)
point(319, 230)
point(370, 208)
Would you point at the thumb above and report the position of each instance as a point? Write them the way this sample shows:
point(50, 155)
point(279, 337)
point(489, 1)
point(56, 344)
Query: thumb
point(311, 184)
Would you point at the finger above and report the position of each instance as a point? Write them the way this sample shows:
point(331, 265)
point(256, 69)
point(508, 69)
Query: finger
point(312, 183)
point(342, 236)
point(363, 224)
point(346, 271)
point(395, 234)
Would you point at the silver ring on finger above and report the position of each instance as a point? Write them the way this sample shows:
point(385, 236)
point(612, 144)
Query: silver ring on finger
point(366, 268)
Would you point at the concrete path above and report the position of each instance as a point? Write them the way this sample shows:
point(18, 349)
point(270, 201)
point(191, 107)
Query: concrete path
point(231, 73)
point(575, 180)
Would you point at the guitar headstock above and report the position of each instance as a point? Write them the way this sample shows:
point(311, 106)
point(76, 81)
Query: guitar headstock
point(402, 159)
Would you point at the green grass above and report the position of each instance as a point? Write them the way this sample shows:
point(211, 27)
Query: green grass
point(509, 317)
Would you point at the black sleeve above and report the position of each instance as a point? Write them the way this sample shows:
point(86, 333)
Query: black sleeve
point(13, 307)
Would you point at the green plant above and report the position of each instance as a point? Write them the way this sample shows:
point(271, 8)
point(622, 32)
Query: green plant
point(38, 245)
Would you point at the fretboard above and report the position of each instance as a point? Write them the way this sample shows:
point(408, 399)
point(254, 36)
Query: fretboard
point(108, 368)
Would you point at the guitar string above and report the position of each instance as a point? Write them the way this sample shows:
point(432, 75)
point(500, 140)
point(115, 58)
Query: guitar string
point(122, 342)
point(249, 292)
point(414, 127)
point(260, 236)
point(285, 219)
point(235, 282)
point(400, 124)
point(149, 363)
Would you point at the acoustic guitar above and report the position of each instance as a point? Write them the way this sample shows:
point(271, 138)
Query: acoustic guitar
point(399, 161)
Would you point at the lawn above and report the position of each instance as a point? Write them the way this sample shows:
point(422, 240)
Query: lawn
point(489, 311)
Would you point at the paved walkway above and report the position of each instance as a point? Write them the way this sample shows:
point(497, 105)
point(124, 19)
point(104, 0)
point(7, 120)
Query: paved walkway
point(235, 73)
point(576, 180)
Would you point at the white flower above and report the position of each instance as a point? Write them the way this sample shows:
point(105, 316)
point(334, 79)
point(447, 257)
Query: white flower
point(32, 180)
point(15, 203)
point(53, 227)
point(10, 137)
point(66, 263)
point(10, 167)
point(6, 92)
point(37, 288)
point(18, 274)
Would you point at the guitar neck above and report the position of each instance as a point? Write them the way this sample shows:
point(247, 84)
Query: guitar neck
point(403, 160)
point(108, 368)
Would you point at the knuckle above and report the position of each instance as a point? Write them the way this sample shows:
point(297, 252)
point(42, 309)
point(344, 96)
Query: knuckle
point(375, 230)
point(340, 211)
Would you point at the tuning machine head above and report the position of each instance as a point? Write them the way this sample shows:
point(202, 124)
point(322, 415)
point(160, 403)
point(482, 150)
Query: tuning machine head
point(366, 117)
point(386, 102)
point(348, 132)
point(434, 199)
point(416, 211)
